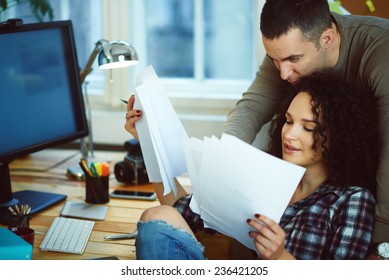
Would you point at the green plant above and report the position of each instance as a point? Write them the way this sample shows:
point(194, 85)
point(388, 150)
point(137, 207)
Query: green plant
point(40, 8)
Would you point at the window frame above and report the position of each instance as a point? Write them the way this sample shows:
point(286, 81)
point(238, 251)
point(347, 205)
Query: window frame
point(128, 26)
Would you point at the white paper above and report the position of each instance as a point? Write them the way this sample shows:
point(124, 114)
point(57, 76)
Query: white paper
point(145, 140)
point(193, 154)
point(238, 181)
point(160, 132)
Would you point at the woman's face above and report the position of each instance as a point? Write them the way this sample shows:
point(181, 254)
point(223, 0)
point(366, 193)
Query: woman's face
point(297, 133)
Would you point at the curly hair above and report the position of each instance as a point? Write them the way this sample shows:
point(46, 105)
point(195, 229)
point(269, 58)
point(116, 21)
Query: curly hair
point(347, 130)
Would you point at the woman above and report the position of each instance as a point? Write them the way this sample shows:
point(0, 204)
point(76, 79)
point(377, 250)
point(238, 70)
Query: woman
point(331, 131)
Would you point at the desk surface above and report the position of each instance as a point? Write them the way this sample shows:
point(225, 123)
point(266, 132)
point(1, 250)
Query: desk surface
point(121, 217)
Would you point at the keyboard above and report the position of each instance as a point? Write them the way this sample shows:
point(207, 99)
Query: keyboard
point(67, 235)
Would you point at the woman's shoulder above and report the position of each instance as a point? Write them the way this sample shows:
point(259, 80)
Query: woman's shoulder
point(345, 191)
point(337, 197)
point(356, 190)
point(354, 195)
point(349, 201)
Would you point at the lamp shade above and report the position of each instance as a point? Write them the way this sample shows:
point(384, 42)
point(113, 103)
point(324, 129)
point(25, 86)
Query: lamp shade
point(117, 54)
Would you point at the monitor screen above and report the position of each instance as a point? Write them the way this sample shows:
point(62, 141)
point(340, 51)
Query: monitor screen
point(41, 102)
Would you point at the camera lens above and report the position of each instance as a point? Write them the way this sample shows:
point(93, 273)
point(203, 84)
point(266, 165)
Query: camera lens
point(124, 173)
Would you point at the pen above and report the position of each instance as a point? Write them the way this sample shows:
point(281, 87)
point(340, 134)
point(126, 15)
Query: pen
point(121, 236)
point(124, 101)
point(85, 167)
point(96, 169)
point(105, 169)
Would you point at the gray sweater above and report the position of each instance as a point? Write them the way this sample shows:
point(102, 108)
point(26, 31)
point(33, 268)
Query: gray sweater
point(364, 61)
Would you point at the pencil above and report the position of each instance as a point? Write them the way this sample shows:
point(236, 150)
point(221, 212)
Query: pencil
point(12, 211)
point(124, 101)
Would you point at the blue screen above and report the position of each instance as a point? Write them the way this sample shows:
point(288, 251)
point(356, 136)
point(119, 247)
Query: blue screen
point(41, 103)
point(37, 98)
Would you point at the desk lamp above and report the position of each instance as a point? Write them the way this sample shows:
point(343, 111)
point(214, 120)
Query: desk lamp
point(115, 54)
point(111, 55)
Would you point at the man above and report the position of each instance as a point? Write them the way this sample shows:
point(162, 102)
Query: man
point(301, 37)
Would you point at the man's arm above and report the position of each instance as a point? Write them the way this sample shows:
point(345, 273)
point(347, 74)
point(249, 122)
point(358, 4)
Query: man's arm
point(381, 228)
point(258, 104)
point(376, 71)
point(381, 225)
point(375, 79)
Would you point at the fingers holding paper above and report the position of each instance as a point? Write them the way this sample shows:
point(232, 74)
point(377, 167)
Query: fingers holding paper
point(132, 116)
point(268, 238)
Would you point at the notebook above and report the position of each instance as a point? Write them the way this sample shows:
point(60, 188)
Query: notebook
point(81, 209)
point(38, 200)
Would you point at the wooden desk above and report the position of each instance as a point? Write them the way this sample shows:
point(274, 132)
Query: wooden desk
point(121, 217)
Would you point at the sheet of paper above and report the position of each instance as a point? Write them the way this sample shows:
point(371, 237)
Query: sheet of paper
point(160, 131)
point(240, 181)
point(193, 153)
point(144, 134)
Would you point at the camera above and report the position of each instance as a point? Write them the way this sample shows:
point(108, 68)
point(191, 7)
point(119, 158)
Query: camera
point(132, 169)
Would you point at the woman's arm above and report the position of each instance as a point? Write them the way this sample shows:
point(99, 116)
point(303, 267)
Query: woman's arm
point(170, 198)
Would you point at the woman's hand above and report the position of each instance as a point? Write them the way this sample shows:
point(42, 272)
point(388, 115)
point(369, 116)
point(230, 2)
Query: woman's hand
point(269, 238)
point(132, 116)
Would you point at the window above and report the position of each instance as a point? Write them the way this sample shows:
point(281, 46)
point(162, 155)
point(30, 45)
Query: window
point(206, 39)
point(206, 52)
point(209, 45)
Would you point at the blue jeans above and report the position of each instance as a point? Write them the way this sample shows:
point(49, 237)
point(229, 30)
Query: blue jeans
point(157, 240)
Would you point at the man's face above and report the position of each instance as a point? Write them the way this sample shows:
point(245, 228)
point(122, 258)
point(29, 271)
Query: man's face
point(295, 57)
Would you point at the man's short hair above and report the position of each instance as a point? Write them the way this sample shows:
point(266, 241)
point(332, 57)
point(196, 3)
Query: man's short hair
point(312, 17)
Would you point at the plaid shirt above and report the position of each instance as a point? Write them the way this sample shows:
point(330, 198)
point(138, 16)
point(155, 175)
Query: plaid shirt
point(331, 223)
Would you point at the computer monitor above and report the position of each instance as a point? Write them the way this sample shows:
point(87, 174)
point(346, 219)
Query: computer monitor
point(41, 102)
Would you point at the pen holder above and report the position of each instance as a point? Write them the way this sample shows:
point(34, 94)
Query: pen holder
point(19, 221)
point(96, 189)
point(20, 225)
point(26, 233)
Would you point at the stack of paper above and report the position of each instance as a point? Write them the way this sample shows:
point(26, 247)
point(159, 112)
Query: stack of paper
point(160, 131)
point(232, 181)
